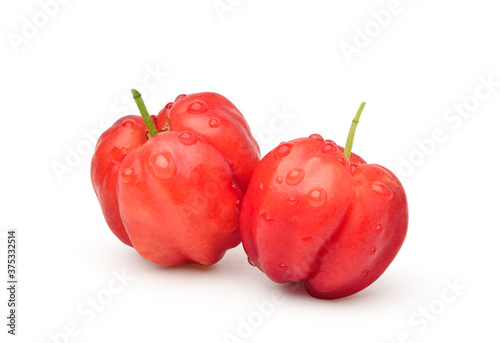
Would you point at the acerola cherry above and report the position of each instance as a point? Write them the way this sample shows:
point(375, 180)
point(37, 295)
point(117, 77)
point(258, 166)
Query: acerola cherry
point(175, 195)
point(317, 213)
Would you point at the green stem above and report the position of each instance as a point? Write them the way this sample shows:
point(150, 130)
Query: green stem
point(352, 131)
point(144, 113)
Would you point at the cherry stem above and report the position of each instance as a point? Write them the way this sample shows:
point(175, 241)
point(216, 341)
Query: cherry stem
point(352, 131)
point(144, 113)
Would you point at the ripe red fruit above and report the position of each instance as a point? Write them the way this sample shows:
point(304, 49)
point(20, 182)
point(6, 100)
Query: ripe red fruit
point(175, 195)
point(315, 213)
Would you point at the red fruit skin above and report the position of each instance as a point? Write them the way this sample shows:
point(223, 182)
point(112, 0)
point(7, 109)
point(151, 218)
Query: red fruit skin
point(178, 200)
point(215, 118)
point(129, 134)
point(126, 134)
point(322, 229)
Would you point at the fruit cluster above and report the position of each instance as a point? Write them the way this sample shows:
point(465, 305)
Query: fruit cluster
point(188, 184)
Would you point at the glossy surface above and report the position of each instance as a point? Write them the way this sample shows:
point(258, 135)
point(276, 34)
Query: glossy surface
point(125, 135)
point(215, 118)
point(180, 206)
point(176, 197)
point(335, 223)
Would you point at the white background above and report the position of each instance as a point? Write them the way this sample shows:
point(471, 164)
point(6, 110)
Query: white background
point(274, 60)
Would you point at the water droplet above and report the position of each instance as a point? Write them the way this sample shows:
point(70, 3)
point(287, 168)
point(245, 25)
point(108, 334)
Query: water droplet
point(118, 154)
point(343, 160)
point(282, 150)
point(236, 168)
point(383, 191)
point(279, 179)
point(317, 197)
point(214, 123)
point(197, 107)
point(265, 217)
point(169, 105)
point(261, 187)
point(316, 137)
point(373, 251)
point(366, 273)
point(292, 201)
point(295, 176)
point(305, 239)
point(355, 168)
point(251, 262)
point(186, 138)
point(379, 229)
point(330, 148)
point(179, 97)
point(163, 164)
point(129, 123)
point(283, 266)
point(127, 175)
